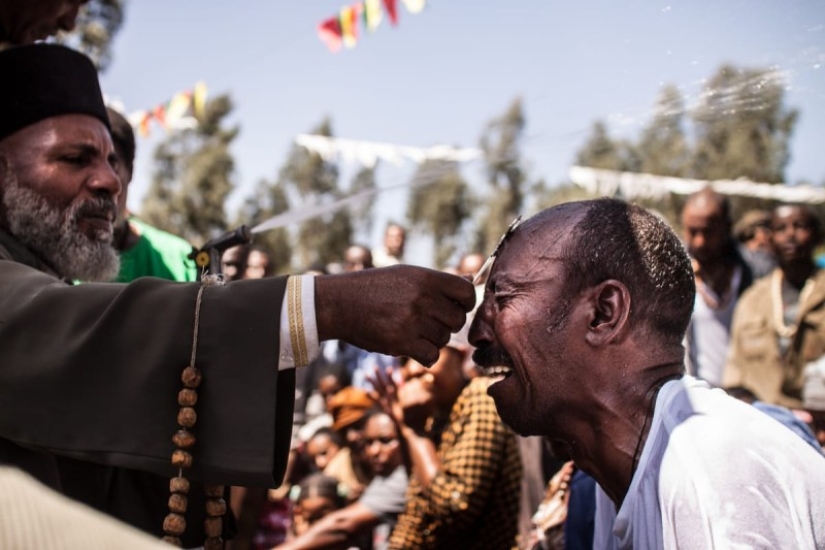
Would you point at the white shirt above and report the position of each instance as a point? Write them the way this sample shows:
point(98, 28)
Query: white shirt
point(709, 333)
point(302, 307)
point(716, 473)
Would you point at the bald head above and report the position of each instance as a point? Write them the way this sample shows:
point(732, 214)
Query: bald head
point(357, 258)
point(608, 239)
point(706, 226)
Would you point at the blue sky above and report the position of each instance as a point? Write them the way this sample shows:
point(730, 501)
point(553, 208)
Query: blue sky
point(439, 76)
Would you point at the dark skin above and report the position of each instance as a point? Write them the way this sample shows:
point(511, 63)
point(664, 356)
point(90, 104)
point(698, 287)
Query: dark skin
point(582, 373)
point(423, 393)
point(794, 237)
point(706, 233)
point(68, 160)
point(338, 528)
point(402, 310)
point(26, 21)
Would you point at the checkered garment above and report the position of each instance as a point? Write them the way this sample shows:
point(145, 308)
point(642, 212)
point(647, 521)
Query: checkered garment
point(473, 501)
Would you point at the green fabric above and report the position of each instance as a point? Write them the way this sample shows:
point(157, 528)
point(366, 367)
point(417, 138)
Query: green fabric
point(157, 254)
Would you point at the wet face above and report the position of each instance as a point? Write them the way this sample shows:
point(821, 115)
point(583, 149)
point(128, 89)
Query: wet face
point(321, 449)
point(59, 188)
point(26, 21)
point(380, 445)
point(523, 330)
point(793, 234)
point(705, 230)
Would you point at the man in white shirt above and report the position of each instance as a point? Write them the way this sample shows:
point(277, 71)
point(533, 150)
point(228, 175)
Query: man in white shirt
point(585, 310)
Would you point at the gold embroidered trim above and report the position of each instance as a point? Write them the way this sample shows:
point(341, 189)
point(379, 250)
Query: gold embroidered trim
point(296, 322)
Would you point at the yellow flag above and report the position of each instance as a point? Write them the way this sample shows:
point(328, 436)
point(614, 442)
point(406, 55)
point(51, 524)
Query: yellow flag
point(349, 29)
point(199, 100)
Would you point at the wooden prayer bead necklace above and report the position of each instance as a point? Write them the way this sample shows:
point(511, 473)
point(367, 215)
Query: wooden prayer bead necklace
point(174, 525)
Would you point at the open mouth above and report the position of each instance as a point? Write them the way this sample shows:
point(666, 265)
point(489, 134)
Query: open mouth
point(500, 372)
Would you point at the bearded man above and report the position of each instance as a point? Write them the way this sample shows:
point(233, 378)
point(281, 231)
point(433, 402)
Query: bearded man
point(586, 309)
point(93, 371)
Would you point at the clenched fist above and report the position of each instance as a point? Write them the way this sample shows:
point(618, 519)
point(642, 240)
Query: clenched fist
point(398, 310)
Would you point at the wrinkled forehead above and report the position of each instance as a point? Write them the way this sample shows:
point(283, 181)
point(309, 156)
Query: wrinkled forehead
point(546, 237)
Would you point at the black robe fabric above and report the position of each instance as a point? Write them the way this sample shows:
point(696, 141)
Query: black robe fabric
point(91, 373)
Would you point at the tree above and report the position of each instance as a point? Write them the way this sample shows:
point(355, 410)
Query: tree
point(193, 177)
point(267, 200)
point(97, 23)
point(743, 127)
point(439, 204)
point(663, 148)
point(309, 180)
point(603, 152)
point(362, 216)
point(501, 144)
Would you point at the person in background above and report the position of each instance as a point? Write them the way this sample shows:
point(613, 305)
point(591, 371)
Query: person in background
point(349, 407)
point(233, 262)
point(145, 251)
point(258, 263)
point(392, 253)
point(374, 514)
point(356, 258)
point(778, 328)
point(721, 275)
point(753, 233)
point(323, 446)
point(464, 464)
point(315, 497)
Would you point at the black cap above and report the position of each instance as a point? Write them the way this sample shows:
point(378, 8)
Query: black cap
point(46, 80)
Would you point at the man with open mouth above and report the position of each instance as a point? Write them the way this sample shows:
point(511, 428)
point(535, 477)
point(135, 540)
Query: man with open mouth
point(584, 315)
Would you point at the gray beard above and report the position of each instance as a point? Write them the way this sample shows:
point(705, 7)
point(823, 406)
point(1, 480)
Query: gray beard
point(54, 235)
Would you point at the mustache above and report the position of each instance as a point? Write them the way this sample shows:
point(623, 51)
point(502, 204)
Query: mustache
point(492, 356)
point(96, 207)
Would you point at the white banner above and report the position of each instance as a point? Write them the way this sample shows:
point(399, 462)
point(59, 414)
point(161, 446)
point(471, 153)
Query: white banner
point(368, 153)
point(631, 186)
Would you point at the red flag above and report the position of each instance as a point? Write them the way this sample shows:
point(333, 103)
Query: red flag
point(389, 5)
point(329, 32)
point(160, 115)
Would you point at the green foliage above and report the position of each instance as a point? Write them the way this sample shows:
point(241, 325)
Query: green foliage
point(362, 215)
point(439, 204)
point(743, 127)
point(603, 152)
point(267, 200)
point(501, 143)
point(307, 179)
point(663, 148)
point(97, 23)
point(193, 177)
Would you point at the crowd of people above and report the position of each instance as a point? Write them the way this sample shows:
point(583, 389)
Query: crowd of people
point(606, 385)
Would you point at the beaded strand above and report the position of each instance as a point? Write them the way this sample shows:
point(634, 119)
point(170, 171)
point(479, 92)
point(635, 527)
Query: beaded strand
point(174, 525)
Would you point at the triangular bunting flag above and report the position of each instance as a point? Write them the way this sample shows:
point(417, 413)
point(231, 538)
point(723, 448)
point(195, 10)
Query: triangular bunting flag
point(392, 12)
point(372, 14)
point(329, 32)
point(415, 6)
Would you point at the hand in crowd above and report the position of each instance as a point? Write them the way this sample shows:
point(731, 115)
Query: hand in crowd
point(409, 403)
point(400, 310)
